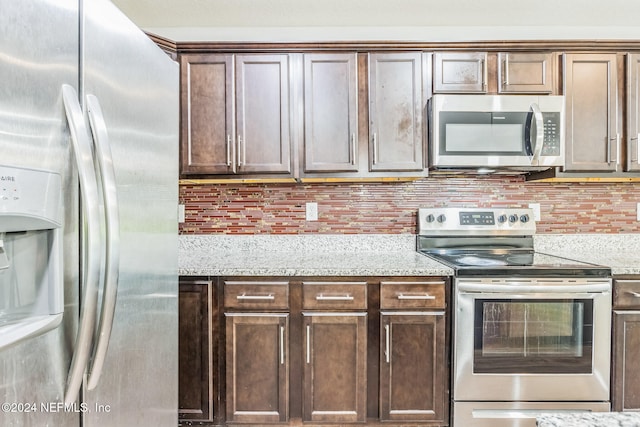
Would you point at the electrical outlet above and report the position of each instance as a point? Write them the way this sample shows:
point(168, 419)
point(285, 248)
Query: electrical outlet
point(180, 213)
point(536, 211)
point(638, 211)
point(312, 211)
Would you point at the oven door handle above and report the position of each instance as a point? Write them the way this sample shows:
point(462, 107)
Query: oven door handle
point(519, 289)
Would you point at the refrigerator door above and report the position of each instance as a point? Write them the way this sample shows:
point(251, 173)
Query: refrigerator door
point(38, 54)
point(129, 92)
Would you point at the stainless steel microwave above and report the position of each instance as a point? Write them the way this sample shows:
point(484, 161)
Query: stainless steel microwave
point(522, 132)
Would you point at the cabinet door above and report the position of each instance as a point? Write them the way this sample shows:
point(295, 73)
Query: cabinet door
point(257, 368)
point(334, 378)
point(195, 354)
point(207, 134)
point(525, 72)
point(626, 353)
point(263, 114)
point(413, 367)
point(396, 112)
point(633, 112)
point(330, 113)
point(460, 72)
point(592, 134)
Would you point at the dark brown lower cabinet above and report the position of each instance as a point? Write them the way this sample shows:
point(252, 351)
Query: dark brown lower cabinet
point(412, 367)
point(335, 369)
point(626, 356)
point(257, 367)
point(196, 350)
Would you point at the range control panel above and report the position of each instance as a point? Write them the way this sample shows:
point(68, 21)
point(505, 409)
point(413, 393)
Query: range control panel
point(476, 221)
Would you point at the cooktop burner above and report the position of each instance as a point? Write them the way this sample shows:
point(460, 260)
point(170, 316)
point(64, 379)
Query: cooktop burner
point(492, 242)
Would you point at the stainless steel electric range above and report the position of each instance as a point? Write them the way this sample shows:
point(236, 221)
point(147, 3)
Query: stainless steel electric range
point(531, 331)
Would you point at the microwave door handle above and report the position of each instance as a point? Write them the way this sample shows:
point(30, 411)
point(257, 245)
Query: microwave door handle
point(112, 259)
point(92, 248)
point(539, 134)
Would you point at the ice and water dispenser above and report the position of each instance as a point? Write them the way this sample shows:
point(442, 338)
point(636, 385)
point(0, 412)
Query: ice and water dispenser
point(31, 270)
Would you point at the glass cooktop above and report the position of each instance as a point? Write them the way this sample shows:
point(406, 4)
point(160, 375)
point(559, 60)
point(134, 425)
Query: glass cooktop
point(515, 262)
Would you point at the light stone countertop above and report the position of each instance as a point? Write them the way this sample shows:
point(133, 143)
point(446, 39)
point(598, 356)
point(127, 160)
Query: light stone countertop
point(305, 255)
point(371, 254)
point(593, 419)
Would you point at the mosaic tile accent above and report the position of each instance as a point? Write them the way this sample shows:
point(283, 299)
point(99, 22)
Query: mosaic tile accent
point(390, 208)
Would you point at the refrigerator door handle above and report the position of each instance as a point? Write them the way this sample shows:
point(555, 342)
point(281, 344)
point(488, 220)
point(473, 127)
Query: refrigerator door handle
point(112, 259)
point(90, 277)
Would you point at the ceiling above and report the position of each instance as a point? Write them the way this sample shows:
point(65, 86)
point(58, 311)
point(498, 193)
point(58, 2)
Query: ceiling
point(386, 19)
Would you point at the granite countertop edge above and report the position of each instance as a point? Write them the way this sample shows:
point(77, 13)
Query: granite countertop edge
point(371, 255)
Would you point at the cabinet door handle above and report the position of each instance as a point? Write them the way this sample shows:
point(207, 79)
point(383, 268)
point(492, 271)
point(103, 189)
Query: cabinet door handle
point(635, 294)
point(505, 81)
point(375, 148)
point(245, 297)
point(353, 148)
point(415, 296)
point(484, 75)
point(323, 297)
point(241, 152)
point(308, 344)
point(228, 150)
point(282, 345)
point(616, 140)
point(387, 344)
point(636, 139)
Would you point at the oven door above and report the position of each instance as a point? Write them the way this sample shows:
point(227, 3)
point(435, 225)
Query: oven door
point(532, 340)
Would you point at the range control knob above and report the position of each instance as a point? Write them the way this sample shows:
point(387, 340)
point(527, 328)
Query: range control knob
point(524, 218)
point(441, 218)
point(513, 218)
point(502, 219)
point(430, 218)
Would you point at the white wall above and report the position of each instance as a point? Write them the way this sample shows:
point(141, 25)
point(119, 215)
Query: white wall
point(425, 20)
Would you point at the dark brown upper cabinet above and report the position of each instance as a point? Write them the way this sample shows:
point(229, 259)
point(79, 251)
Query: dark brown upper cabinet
point(235, 113)
point(330, 112)
point(396, 111)
point(526, 72)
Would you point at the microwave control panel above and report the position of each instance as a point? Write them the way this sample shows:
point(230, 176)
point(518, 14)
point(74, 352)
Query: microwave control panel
point(551, 142)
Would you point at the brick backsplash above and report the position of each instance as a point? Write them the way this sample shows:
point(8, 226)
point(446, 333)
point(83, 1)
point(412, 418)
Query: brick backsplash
point(390, 208)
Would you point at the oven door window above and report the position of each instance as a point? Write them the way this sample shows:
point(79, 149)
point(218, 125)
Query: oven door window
point(533, 336)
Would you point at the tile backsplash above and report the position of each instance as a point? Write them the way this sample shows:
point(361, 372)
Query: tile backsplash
point(390, 208)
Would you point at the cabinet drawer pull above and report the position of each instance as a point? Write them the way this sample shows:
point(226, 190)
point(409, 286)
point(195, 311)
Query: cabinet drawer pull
point(246, 297)
point(323, 297)
point(635, 294)
point(416, 297)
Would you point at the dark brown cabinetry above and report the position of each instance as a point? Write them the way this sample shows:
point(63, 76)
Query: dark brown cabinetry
point(413, 354)
point(335, 354)
point(625, 383)
point(330, 112)
point(463, 72)
point(396, 111)
point(592, 118)
point(235, 114)
point(521, 72)
point(256, 351)
point(298, 351)
point(633, 112)
point(196, 350)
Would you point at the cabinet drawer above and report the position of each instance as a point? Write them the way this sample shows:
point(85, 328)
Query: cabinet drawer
point(334, 295)
point(403, 295)
point(626, 294)
point(256, 295)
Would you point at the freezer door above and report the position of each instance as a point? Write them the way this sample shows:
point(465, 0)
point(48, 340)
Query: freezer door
point(130, 93)
point(39, 53)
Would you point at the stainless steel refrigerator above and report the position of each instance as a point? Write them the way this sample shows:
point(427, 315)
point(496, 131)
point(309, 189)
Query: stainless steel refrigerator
point(88, 219)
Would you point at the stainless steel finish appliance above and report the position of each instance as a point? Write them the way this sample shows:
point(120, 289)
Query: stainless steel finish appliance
point(88, 219)
point(531, 331)
point(516, 132)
